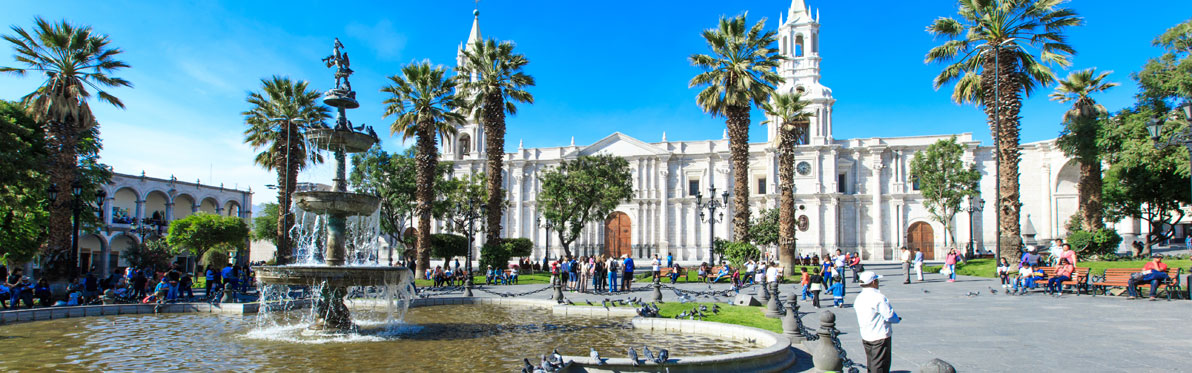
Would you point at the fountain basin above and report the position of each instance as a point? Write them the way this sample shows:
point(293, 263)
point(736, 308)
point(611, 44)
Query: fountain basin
point(336, 140)
point(333, 276)
point(337, 203)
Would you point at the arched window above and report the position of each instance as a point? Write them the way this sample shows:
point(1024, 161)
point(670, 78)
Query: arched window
point(783, 46)
point(814, 43)
point(799, 46)
point(465, 144)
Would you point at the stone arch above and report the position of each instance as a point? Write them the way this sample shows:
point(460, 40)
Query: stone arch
point(156, 203)
point(1066, 192)
point(121, 243)
point(91, 246)
point(183, 206)
point(124, 205)
point(209, 205)
point(465, 144)
point(231, 208)
point(799, 45)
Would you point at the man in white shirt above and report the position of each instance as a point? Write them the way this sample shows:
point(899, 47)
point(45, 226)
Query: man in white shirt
point(875, 316)
point(656, 268)
point(1057, 248)
point(772, 273)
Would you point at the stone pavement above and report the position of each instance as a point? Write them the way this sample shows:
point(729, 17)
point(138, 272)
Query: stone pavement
point(990, 332)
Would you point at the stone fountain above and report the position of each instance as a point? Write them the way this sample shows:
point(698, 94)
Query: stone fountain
point(333, 278)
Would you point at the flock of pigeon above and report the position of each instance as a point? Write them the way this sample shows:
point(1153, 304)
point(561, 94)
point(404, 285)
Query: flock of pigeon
point(554, 361)
point(698, 312)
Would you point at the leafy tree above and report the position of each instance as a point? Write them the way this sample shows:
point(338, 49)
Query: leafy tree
point(461, 196)
point(72, 59)
point(1082, 124)
point(944, 181)
point(1011, 30)
point(264, 226)
point(277, 119)
point(391, 177)
point(1098, 242)
point(492, 81)
point(155, 253)
point(22, 185)
point(1169, 76)
point(737, 74)
point(788, 112)
point(583, 190)
point(765, 229)
point(424, 105)
point(199, 233)
point(738, 252)
point(446, 245)
point(1142, 181)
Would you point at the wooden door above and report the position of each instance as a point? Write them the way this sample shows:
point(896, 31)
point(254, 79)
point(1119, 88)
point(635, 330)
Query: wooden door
point(920, 236)
point(617, 235)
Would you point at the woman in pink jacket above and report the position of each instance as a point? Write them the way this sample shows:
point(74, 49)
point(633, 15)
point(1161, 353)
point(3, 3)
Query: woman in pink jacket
point(950, 263)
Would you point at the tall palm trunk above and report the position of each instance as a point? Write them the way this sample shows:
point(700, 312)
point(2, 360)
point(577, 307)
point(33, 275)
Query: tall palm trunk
point(288, 159)
point(1090, 194)
point(786, 207)
point(494, 146)
point(428, 160)
point(63, 145)
point(738, 145)
point(1004, 110)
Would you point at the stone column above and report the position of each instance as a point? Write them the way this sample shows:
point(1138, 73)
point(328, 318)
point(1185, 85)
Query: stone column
point(831, 221)
point(877, 225)
point(140, 214)
point(663, 209)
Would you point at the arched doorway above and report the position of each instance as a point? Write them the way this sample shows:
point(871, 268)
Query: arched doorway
point(921, 236)
point(617, 234)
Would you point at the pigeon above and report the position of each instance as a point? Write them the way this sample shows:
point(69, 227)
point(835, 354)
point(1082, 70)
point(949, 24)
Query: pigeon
point(595, 356)
point(649, 355)
point(589, 302)
point(633, 357)
point(663, 356)
point(925, 291)
point(992, 291)
point(972, 294)
point(569, 302)
point(715, 308)
point(528, 368)
point(545, 363)
point(605, 303)
point(703, 307)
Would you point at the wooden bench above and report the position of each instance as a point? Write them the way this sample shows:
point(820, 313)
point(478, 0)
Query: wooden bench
point(1120, 278)
point(1079, 278)
point(665, 273)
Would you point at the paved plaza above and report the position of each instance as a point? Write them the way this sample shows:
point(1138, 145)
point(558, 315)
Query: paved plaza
point(997, 333)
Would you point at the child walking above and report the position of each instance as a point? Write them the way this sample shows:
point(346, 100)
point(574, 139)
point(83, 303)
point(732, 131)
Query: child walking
point(838, 294)
point(805, 281)
point(816, 286)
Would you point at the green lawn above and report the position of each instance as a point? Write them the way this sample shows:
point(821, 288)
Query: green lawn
point(986, 267)
point(737, 315)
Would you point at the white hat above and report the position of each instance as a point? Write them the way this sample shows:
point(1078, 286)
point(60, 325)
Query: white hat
point(867, 277)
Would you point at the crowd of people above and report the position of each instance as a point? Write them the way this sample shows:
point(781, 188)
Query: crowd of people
point(123, 285)
point(606, 273)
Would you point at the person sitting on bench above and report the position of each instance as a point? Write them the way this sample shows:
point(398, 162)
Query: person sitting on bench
point(1055, 285)
point(1154, 272)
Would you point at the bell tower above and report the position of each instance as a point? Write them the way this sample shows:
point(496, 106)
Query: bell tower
point(468, 142)
point(798, 41)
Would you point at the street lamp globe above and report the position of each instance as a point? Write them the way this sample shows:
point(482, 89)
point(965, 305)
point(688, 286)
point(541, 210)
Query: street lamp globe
point(76, 188)
point(53, 192)
point(100, 196)
point(1154, 127)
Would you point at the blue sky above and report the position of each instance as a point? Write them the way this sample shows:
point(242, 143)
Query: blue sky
point(601, 67)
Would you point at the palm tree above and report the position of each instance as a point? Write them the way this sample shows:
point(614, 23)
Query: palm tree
point(737, 74)
point(496, 82)
point(71, 58)
point(278, 116)
point(1079, 137)
point(1005, 33)
point(788, 113)
point(424, 105)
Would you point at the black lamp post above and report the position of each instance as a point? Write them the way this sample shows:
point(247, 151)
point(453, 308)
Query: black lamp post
point(974, 205)
point(548, 226)
point(1155, 128)
point(712, 216)
point(76, 190)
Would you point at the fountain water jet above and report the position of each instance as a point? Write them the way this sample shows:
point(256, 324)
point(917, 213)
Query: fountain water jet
point(333, 278)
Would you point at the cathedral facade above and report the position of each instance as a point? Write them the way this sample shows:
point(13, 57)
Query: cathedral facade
point(850, 194)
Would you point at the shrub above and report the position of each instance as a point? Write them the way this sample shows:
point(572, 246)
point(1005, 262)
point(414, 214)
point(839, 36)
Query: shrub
point(521, 247)
point(1094, 243)
point(738, 252)
point(446, 246)
point(496, 255)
